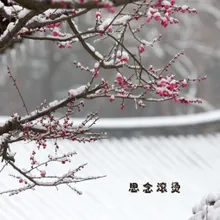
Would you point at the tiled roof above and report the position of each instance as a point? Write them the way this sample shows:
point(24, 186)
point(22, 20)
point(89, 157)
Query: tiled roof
point(149, 122)
point(194, 162)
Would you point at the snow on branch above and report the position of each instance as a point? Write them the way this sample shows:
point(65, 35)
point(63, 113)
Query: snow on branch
point(39, 5)
point(13, 28)
point(208, 208)
point(40, 126)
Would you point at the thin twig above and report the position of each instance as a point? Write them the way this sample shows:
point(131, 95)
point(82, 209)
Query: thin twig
point(18, 90)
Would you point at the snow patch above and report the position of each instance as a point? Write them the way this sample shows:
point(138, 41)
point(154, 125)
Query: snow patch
point(10, 27)
point(78, 91)
point(23, 13)
point(122, 20)
point(3, 137)
point(208, 208)
point(99, 55)
point(54, 103)
point(105, 24)
point(90, 47)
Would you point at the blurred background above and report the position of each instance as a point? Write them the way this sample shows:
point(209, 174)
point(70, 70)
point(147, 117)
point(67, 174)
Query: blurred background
point(43, 71)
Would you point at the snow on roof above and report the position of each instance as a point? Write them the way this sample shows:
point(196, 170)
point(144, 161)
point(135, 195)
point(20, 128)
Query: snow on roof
point(192, 161)
point(150, 122)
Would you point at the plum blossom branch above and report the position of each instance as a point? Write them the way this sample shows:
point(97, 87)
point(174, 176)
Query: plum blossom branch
point(30, 182)
point(133, 79)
